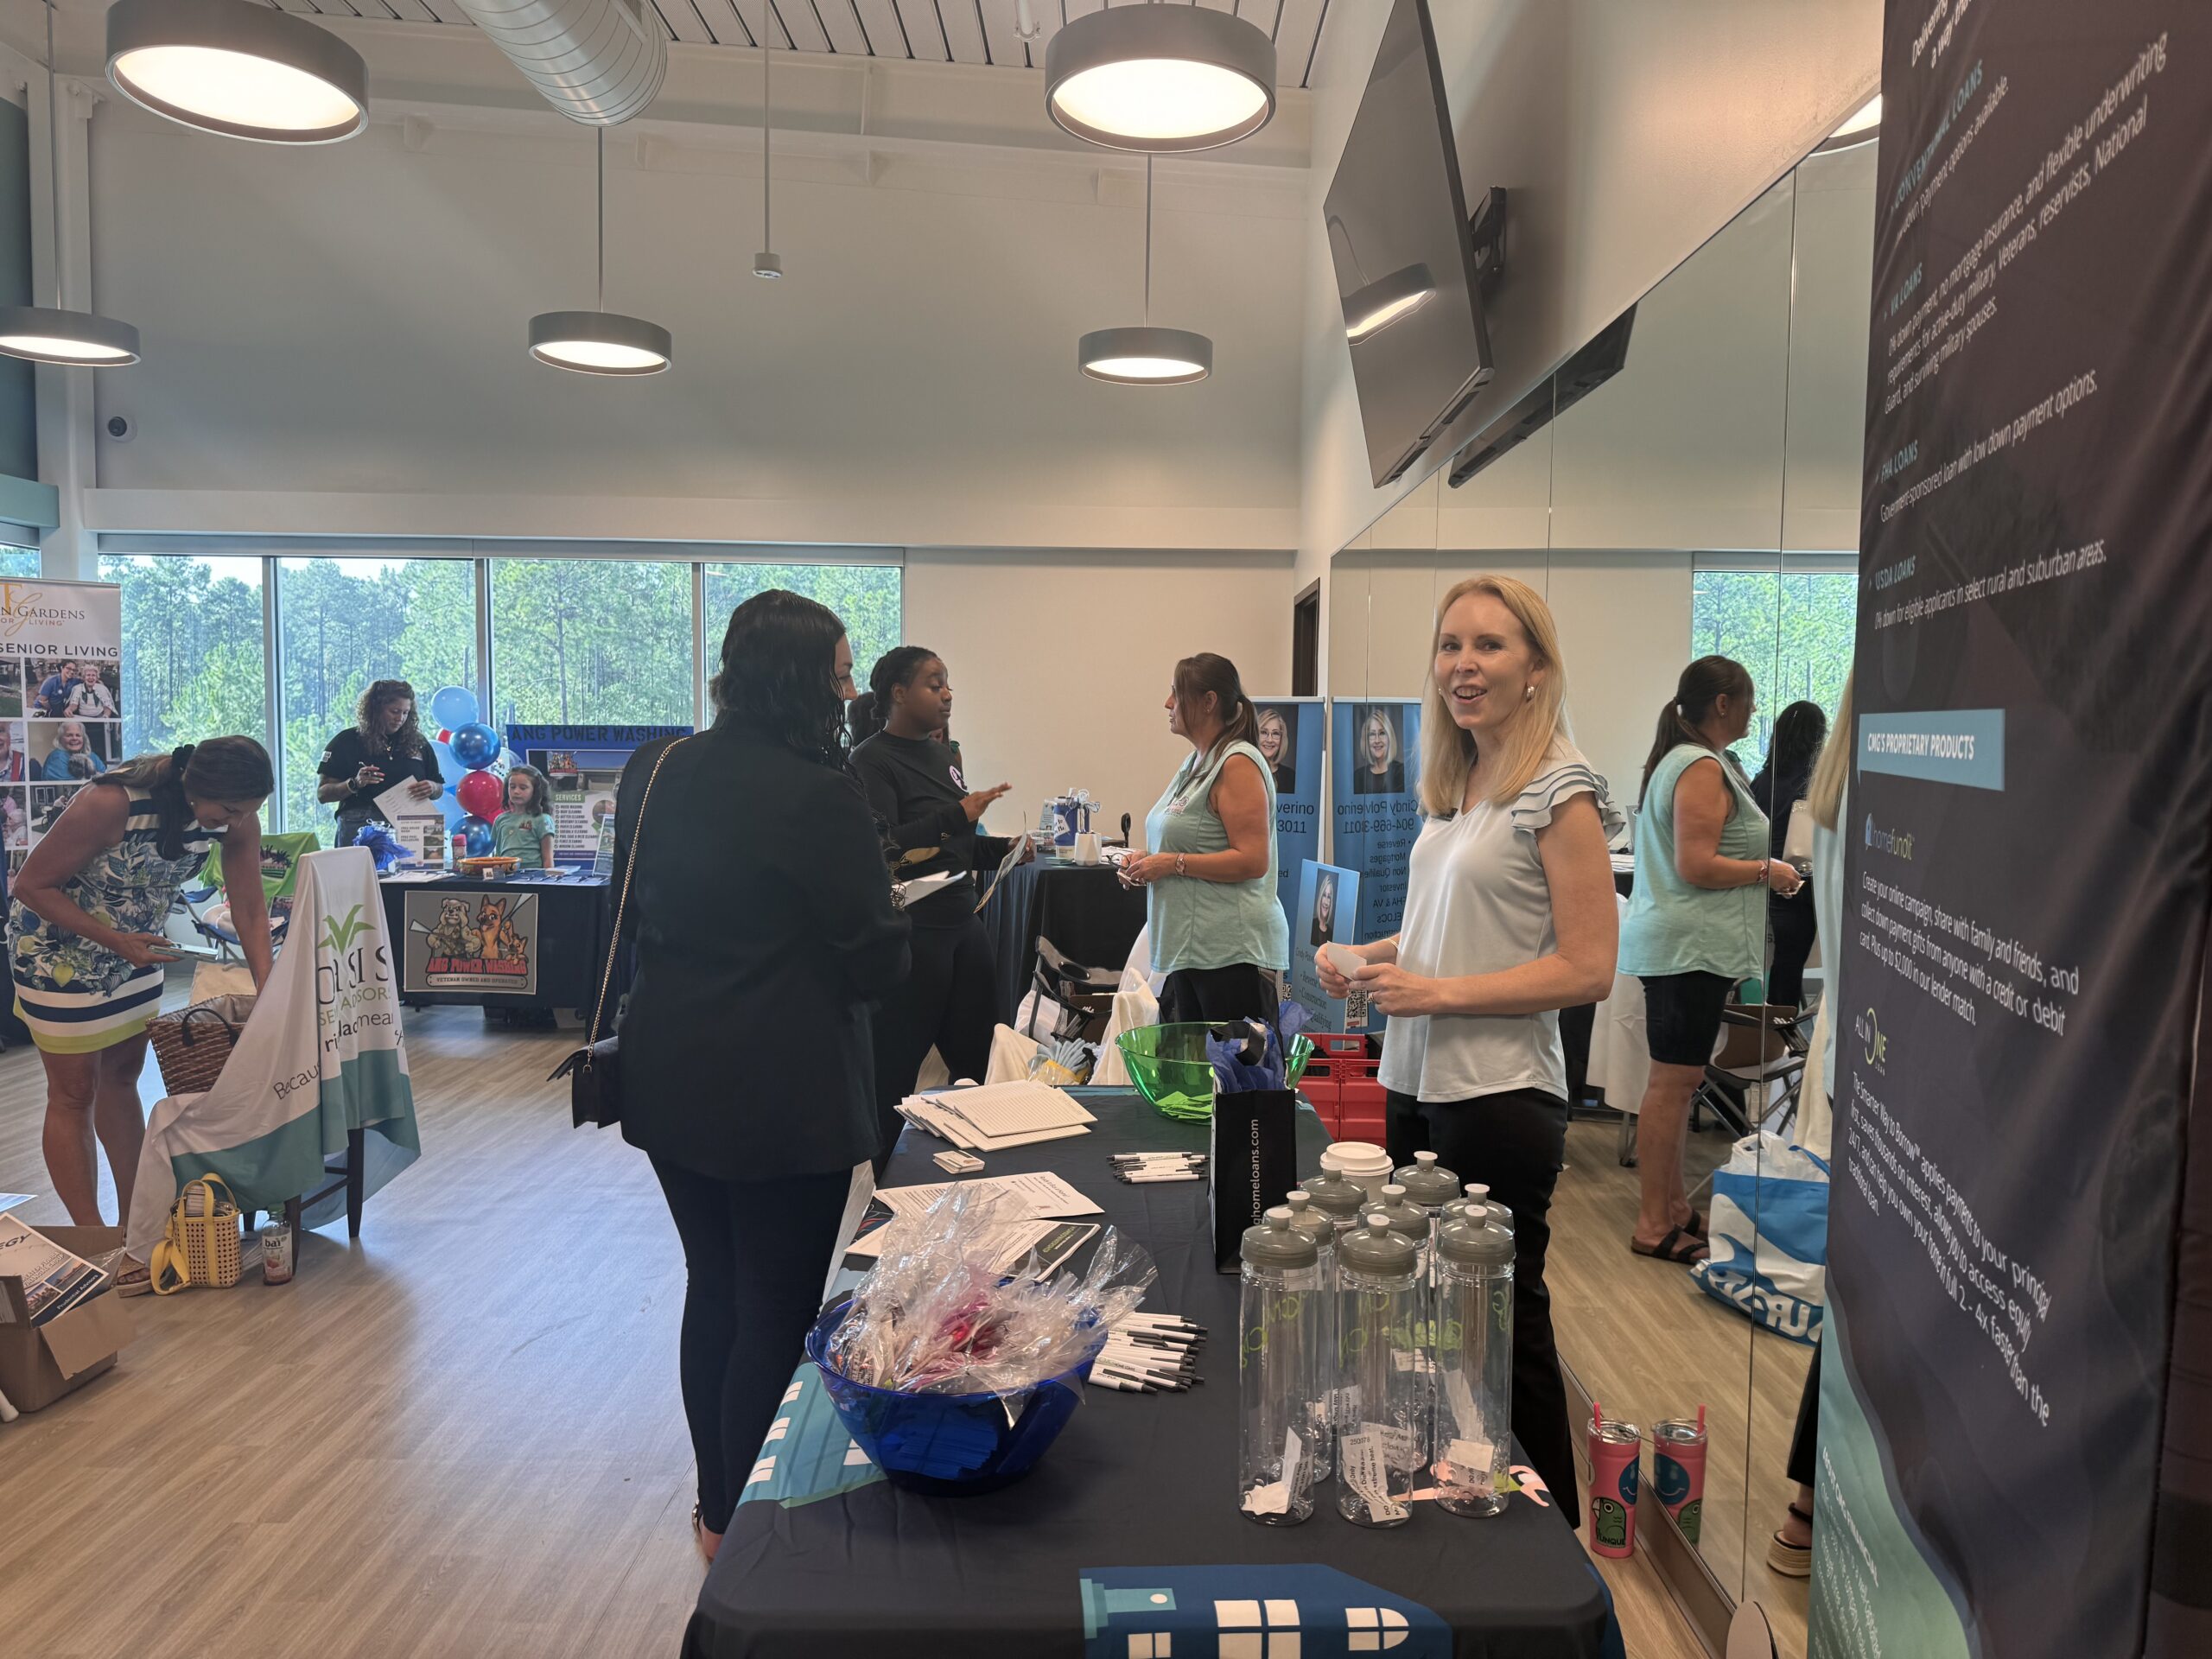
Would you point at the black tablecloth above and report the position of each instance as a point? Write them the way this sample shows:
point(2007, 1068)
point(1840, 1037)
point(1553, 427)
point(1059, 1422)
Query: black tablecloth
point(572, 927)
point(1084, 909)
point(1131, 1510)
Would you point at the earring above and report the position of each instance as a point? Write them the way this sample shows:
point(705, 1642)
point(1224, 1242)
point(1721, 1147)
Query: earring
point(1527, 692)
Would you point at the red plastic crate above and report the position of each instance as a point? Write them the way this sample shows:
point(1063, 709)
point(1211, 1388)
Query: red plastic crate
point(1341, 1083)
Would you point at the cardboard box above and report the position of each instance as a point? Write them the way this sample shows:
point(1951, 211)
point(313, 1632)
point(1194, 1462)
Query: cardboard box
point(39, 1364)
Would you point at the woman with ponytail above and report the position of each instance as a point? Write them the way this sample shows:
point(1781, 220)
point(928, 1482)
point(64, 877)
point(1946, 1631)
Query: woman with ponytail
point(1217, 930)
point(928, 816)
point(86, 950)
point(1696, 924)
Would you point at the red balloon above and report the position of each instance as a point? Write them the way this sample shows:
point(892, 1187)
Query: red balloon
point(480, 794)
point(444, 736)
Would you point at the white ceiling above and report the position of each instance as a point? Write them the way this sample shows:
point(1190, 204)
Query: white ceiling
point(979, 32)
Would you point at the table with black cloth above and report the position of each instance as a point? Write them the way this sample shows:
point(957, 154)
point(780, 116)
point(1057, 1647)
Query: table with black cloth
point(1130, 1519)
point(1084, 909)
point(572, 924)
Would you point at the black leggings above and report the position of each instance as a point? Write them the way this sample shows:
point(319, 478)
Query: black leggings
point(1515, 1142)
point(756, 1253)
point(949, 1003)
point(1213, 996)
point(1793, 921)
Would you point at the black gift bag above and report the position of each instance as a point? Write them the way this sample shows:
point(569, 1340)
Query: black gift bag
point(1252, 1162)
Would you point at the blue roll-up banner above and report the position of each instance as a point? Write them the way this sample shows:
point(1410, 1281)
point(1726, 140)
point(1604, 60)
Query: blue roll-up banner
point(2015, 1446)
point(1375, 750)
point(1291, 730)
point(1328, 898)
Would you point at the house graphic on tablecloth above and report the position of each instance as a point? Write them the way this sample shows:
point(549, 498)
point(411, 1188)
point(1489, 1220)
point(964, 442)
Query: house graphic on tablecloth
point(1246, 1611)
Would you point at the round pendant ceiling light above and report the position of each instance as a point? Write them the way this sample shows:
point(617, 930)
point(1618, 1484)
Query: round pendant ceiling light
point(232, 67)
point(47, 334)
point(1864, 127)
point(1161, 78)
point(600, 341)
point(1146, 356)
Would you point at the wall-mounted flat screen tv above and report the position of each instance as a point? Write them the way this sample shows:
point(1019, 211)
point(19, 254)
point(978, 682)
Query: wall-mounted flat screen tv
point(1405, 260)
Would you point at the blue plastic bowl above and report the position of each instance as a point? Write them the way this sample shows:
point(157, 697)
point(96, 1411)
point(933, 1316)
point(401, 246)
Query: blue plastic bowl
point(947, 1443)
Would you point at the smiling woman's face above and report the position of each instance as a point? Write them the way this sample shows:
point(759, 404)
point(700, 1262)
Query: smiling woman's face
point(1378, 742)
point(1273, 737)
point(1485, 665)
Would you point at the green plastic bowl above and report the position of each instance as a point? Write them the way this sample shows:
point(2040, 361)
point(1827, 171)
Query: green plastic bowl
point(1169, 1066)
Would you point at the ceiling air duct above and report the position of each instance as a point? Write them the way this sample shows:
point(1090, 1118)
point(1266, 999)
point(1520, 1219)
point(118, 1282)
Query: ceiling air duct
point(597, 61)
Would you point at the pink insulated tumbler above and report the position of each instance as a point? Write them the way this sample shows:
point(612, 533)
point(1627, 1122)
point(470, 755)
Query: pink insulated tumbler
point(1614, 1472)
point(1678, 1470)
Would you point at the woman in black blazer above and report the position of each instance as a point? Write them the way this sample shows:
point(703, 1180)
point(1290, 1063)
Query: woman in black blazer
point(765, 929)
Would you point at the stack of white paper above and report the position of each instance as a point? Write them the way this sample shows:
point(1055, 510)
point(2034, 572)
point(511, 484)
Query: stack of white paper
point(1042, 1193)
point(997, 1116)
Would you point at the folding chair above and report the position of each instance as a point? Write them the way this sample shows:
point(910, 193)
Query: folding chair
point(208, 907)
point(1761, 1049)
point(1085, 994)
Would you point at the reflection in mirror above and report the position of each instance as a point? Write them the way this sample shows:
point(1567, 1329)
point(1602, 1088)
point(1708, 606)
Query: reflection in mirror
point(1813, 604)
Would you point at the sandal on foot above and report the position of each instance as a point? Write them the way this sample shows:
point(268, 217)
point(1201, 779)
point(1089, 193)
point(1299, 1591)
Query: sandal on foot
point(133, 1280)
point(699, 1536)
point(1791, 1560)
point(1695, 1226)
point(1677, 1247)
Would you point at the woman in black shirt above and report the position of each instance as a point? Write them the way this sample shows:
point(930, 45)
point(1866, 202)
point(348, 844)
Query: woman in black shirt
point(1799, 732)
point(384, 745)
point(925, 807)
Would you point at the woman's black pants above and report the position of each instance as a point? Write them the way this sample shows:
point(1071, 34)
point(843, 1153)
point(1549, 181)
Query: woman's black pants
point(949, 1003)
point(1514, 1142)
point(1213, 996)
point(1794, 926)
point(756, 1253)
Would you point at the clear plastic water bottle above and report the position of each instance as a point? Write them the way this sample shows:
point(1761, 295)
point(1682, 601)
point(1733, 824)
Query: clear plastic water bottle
point(1316, 1225)
point(1383, 1437)
point(1427, 1183)
point(1278, 1370)
point(1474, 1362)
point(1479, 1192)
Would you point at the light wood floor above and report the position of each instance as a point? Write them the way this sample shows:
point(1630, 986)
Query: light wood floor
point(459, 1436)
point(1650, 1345)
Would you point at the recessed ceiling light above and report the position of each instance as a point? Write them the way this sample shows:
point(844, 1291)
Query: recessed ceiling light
point(1161, 78)
point(48, 333)
point(242, 70)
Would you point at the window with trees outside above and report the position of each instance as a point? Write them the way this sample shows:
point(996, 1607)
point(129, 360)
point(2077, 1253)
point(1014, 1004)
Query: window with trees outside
point(17, 563)
point(584, 641)
point(342, 623)
point(195, 651)
point(865, 596)
point(1793, 630)
point(591, 640)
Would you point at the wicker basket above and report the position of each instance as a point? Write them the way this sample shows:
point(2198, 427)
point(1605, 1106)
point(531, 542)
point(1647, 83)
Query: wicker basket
point(191, 1045)
point(201, 1250)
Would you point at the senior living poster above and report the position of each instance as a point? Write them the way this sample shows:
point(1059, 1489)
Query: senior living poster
point(2025, 938)
point(1290, 737)
point(61, 700)
point(1376, 780)
point(1328, 897)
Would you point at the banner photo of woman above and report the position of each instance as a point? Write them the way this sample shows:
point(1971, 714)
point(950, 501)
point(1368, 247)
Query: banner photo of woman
point(1376, 778)
point(1291, 733)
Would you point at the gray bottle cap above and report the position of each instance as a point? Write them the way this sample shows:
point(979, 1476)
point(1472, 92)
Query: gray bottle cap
point(1408, 1219)
point(1377, 1247)
point(1335, 1196)
point(1276, 1243)
point(1316, 1224)
point(1465, 1242)
point(1427, 1183)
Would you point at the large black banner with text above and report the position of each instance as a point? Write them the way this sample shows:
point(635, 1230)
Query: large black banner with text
point(2029, 805)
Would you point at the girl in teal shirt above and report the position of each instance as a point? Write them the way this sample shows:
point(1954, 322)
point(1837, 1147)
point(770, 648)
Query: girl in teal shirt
point(525, 830)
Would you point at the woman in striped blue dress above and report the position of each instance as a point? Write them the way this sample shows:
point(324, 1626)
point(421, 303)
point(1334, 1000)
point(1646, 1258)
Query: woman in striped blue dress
point(86, 946)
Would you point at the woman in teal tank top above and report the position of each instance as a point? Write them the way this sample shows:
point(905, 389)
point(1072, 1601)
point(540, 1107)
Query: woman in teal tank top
point(1217, 929)
point(1696, 924)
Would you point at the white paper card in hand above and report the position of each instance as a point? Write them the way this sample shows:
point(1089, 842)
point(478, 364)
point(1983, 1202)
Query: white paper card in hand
point(399, 801)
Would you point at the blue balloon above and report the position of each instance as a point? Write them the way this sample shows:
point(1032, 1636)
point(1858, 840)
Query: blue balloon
point(480, 836)
point(455, 707)
point(447, 766)
point(451, 811)
point(475, 745)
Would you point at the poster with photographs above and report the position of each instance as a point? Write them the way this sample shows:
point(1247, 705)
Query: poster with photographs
point(61, 700)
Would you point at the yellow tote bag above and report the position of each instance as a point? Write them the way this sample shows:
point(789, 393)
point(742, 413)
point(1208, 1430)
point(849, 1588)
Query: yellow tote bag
point(201, 1250)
